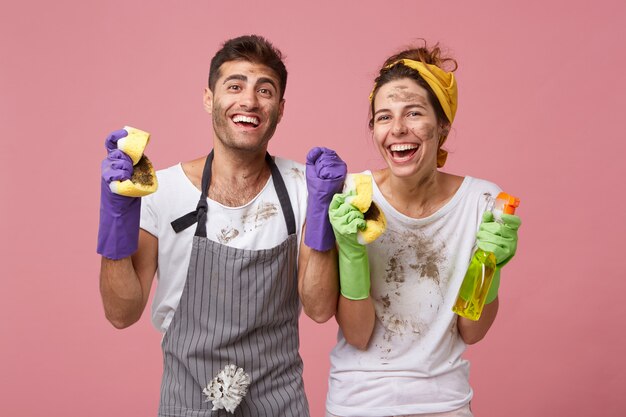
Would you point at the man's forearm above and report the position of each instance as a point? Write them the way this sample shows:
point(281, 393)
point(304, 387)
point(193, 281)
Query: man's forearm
point(121, 291)
point(318, 283)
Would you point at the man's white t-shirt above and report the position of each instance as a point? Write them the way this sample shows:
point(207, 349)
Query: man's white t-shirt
point(259, 224)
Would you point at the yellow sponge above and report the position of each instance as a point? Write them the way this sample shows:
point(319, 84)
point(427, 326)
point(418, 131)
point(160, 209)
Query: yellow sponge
point(362, 185)
point(376, 224)
point(362, 200)
point(134, 144)
point(144, 180)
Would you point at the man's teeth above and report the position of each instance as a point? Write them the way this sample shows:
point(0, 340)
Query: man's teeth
point(403, 147)
point(246, 119)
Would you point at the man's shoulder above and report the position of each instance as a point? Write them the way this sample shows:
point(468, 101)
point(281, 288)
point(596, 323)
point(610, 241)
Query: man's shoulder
point(169, 173)
point(290, 170)
point(173, 180)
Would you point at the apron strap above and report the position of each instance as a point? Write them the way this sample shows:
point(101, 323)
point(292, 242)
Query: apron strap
point(283, 195)
point(199, 215)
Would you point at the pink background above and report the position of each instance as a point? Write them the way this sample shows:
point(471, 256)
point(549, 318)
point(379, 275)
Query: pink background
point(541, 90)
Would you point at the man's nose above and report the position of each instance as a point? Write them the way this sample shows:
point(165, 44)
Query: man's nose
point(249, 99)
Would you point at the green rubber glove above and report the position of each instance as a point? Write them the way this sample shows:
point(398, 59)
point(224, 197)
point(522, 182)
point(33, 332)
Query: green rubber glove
point(500, 238)
point(354, 266)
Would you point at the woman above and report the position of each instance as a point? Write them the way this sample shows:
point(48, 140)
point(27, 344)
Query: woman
point(400, 345)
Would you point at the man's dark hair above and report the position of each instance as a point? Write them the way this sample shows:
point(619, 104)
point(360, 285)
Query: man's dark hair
point(252, 48)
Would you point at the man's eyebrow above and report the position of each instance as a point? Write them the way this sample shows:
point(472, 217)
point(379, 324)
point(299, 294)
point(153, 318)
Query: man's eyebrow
point(264, 80)
point(239, 77)
point(242, 77)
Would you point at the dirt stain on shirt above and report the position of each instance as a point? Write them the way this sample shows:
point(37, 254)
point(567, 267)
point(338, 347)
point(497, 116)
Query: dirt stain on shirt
point(429, 260)
point(386, 302)
point(259, 215)
point(296, 173)
point(394, 270)
point(428, 256)
point(416, 257)
point(227, 234)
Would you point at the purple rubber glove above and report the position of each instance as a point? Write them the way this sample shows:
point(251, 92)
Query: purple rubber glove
point(325, 173)
point(118, 234)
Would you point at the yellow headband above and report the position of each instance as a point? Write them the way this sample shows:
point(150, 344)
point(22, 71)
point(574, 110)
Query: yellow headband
point(441, 82)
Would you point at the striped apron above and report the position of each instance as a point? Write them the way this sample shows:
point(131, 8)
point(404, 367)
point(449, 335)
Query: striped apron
point(238, 307)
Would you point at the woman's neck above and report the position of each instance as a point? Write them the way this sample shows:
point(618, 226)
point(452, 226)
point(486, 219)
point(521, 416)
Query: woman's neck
point(418, 196)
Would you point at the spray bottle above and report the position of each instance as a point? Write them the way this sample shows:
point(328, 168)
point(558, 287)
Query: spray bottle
point(482, 267)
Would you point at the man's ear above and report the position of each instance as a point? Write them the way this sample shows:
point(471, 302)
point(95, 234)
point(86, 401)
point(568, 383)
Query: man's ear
point(281, 110)
point(207, 100)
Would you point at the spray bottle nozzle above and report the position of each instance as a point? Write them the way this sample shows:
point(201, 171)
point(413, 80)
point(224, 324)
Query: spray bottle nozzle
point(505, 203)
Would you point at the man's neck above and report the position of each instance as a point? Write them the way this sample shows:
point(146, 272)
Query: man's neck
point(237, 176)
point(238, 166)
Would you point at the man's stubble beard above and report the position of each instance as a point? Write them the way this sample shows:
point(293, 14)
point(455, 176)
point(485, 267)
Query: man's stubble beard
point(222, 129)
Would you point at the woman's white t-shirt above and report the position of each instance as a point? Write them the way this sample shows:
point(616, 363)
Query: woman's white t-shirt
point(413, 362)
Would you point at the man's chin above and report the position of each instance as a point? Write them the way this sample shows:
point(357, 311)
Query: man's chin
point(246, 146)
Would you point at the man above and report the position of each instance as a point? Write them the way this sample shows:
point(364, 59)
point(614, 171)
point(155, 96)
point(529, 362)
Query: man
point(228, 288)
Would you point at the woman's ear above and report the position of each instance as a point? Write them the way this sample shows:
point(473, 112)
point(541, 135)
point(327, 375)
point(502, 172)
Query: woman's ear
point(444, 130)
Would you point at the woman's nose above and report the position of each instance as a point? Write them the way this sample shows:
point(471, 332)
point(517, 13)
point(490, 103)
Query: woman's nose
point(399, 128)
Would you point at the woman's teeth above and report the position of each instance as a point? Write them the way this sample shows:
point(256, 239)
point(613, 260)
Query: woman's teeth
point(403, 151)
point(402, 147)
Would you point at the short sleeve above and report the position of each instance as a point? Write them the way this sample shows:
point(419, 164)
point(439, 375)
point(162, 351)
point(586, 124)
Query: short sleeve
point(487, 191)
point(149, 219)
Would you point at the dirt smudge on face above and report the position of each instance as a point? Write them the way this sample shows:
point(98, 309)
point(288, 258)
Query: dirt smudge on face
point(400, 94)
point(427, 133)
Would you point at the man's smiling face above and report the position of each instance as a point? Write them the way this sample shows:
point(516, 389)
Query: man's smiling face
point(245, 106)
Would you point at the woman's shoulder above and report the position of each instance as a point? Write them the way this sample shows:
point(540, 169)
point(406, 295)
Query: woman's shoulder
point(479, 185)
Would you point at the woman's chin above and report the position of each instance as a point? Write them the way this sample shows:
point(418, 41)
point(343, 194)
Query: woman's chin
point(403, 168)
point(411, 170)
